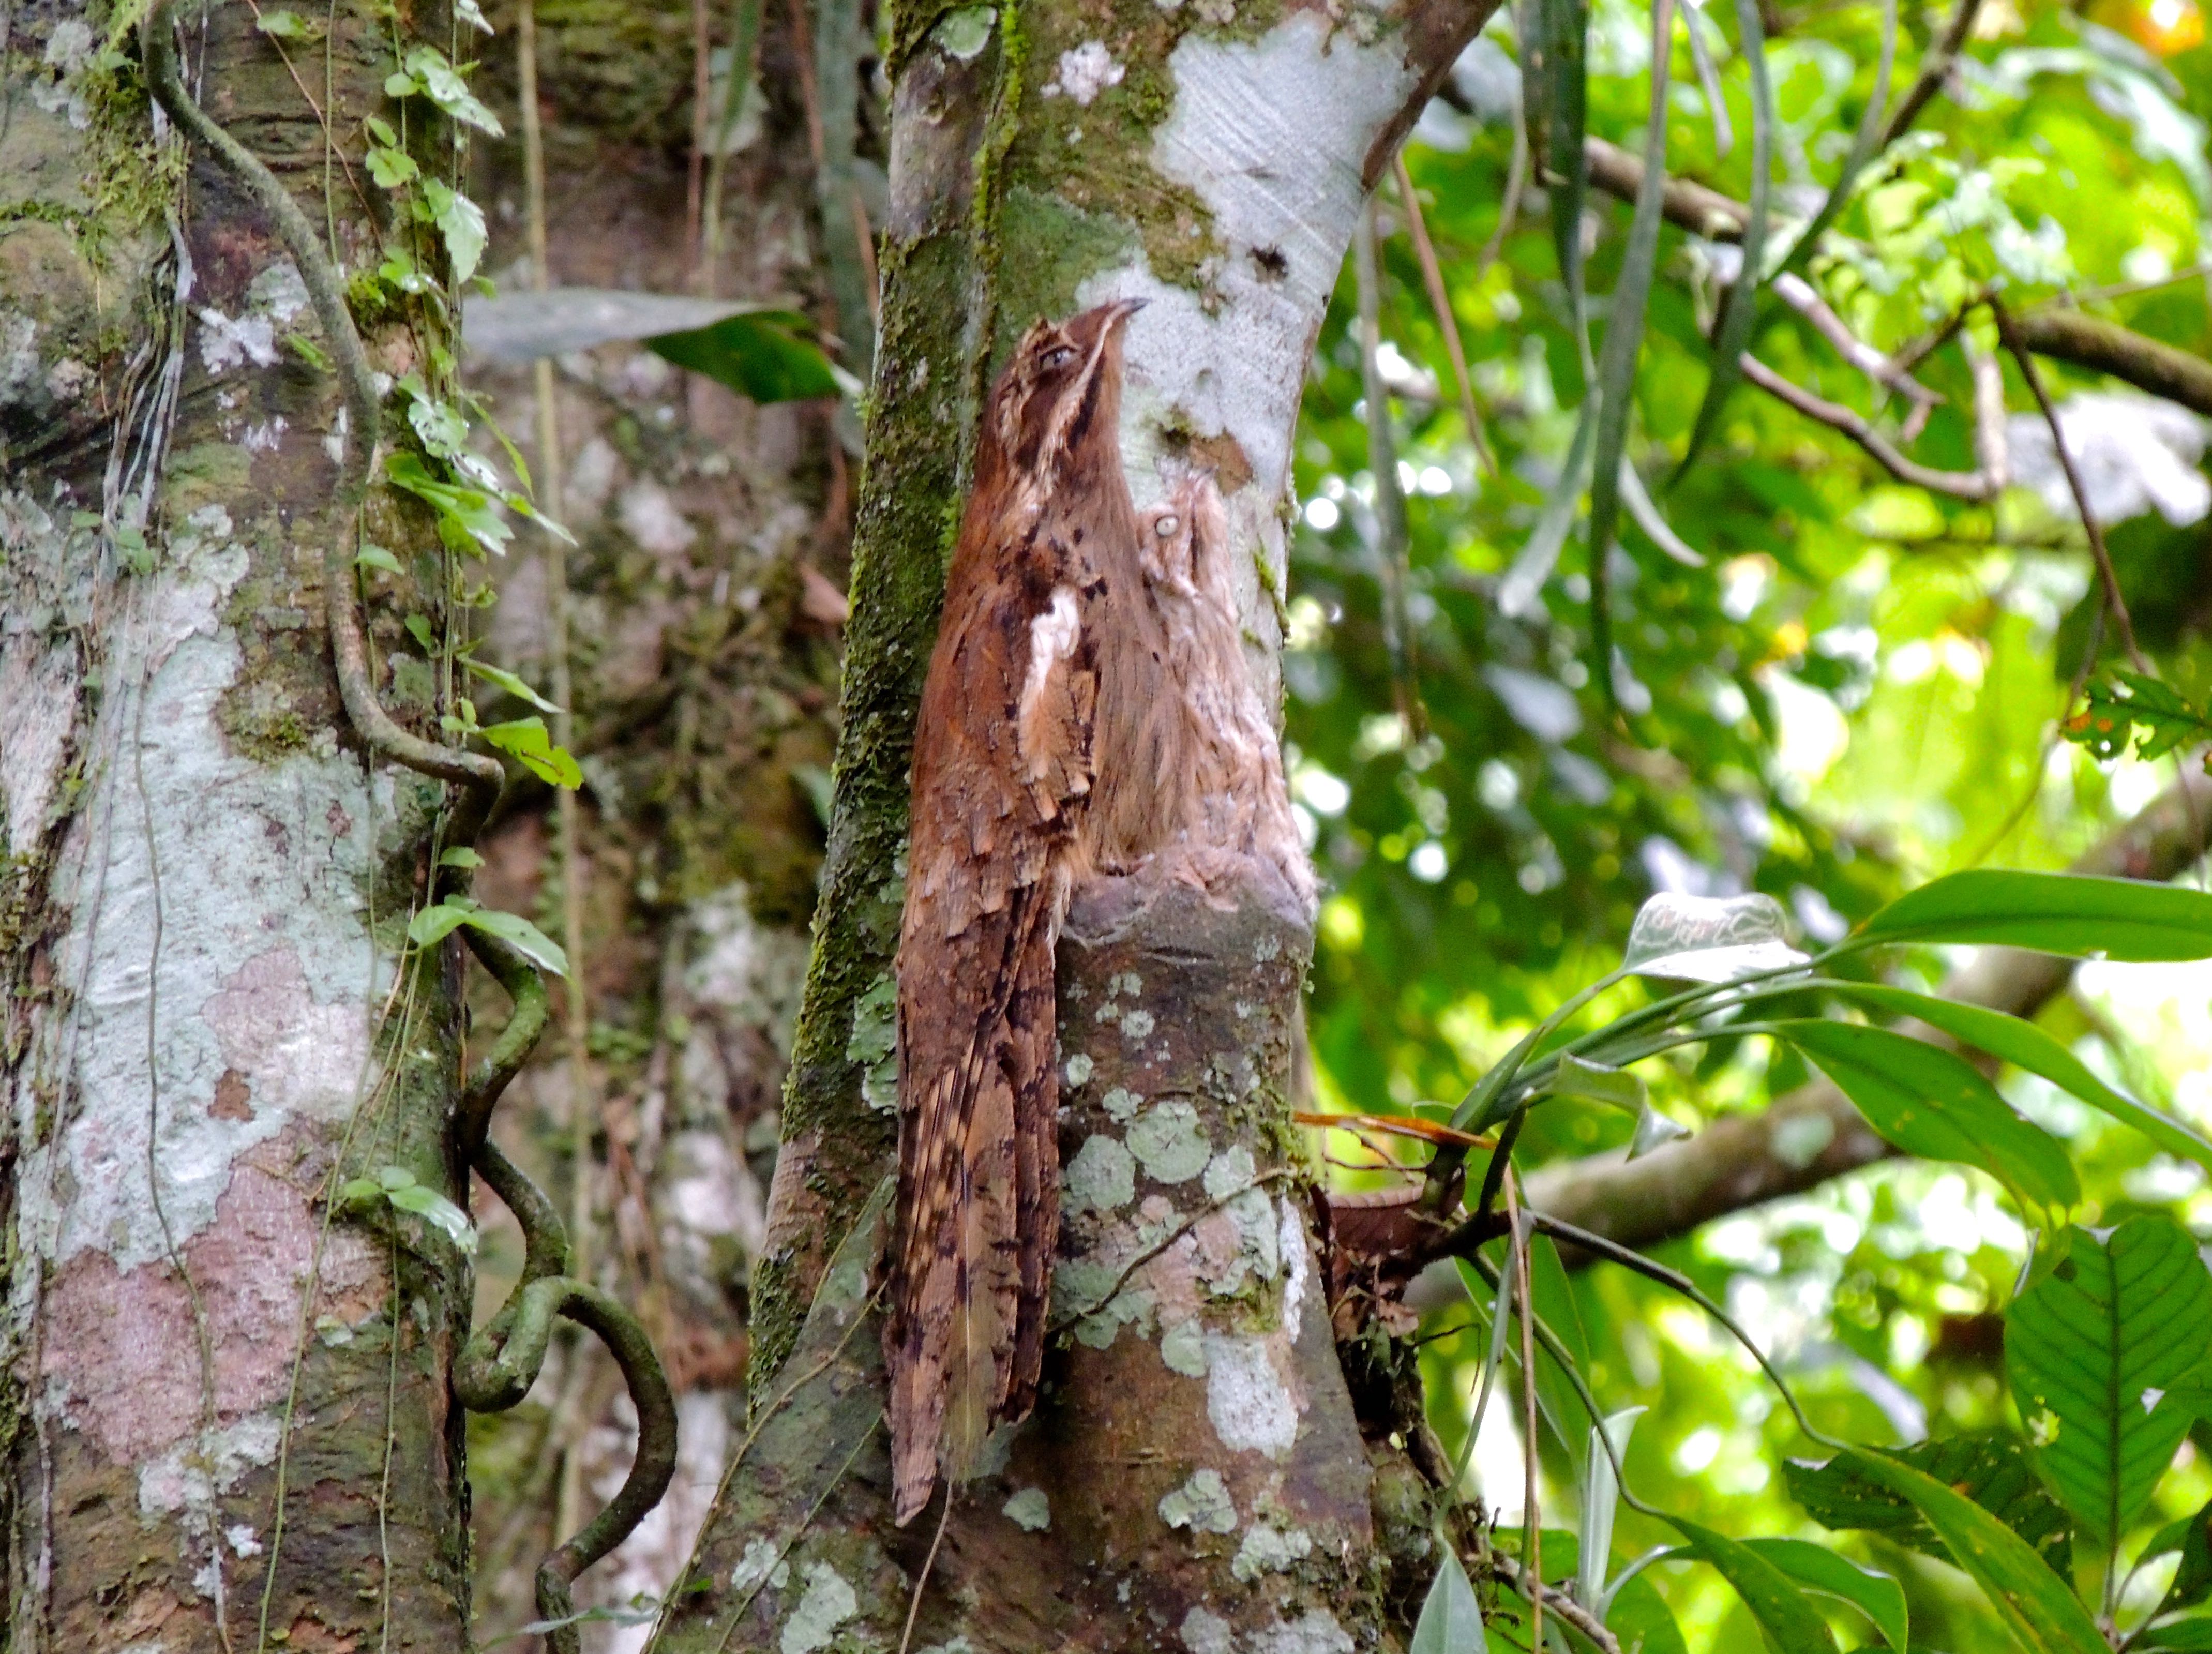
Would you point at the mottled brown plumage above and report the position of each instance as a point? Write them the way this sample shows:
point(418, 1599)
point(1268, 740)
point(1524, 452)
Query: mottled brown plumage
point(1030, 688)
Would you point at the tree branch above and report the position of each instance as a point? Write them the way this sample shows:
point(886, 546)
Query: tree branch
point(1978, 484)
point(2058, 332)
point(1814, 1134)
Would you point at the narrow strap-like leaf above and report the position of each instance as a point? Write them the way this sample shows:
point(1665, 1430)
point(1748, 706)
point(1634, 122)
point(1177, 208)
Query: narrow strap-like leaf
point(1624, 341)
point(1864, 145)
point(1741, 308)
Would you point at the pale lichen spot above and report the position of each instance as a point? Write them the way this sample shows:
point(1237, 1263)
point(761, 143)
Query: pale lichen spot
point(1270, 1550)
point(873, 1041)
point(963, 34)
point(1029, 1510)
point(1317, 1633)
point(1084, 72)
point(1251, 1409)
point(1228, 1172)
point(1129, 982)
point(1207, 1632)
point(1182, 1348)
point(1121, 1104)
point(1170, 1141)
point(1095, 1294)
point(827, 1603)
point(1202, 1504)
point(1079, 1067)
point(1267, 948)
point(1102, 1177)
point(1137, 1026)
point(760, 1565)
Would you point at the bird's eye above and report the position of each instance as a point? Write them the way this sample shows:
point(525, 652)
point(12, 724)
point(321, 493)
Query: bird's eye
point(1059, 356)
point(1166, 527)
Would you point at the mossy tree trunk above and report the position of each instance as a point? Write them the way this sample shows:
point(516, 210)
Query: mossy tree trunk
point(1196, 1473)
point(228, 1420)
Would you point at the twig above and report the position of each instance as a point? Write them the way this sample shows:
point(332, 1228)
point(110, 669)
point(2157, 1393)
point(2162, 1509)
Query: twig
point(1799, 295)
point(1154, 1250)
point(929, 1566)
point(1390, 538)
point(2113, 599)
point(1533, 1590)
point(1432, 276)
point(1959, 485)
point(1934, 69)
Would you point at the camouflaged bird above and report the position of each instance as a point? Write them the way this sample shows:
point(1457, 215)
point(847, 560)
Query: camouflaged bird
point(1036, 690)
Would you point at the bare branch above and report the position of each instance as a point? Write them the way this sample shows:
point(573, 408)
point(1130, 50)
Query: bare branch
point(2108, 347)
point(1960, 484)
point(1934, 69)
point(1814, 1134)
point(1687, 205)
point(1800, 296)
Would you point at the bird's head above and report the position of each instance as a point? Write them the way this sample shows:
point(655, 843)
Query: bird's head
point(1061, 391)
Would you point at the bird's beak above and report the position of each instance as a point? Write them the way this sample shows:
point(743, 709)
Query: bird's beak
point(1119, 312)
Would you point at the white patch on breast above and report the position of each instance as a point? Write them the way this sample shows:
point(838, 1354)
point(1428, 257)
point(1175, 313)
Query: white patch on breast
point(1052, 639)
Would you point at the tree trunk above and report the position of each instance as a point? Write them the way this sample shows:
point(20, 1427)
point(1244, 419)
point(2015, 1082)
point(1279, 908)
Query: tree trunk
point(229, 1419)
point(1196, 1469)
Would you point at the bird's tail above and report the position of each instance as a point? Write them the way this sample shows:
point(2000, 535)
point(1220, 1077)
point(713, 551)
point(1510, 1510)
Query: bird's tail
point(979, 1175)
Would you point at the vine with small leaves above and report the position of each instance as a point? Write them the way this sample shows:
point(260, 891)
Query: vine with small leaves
point(468, 502)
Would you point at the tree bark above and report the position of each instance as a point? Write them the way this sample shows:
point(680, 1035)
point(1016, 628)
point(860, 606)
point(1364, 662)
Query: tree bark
point(1196, 1469)
point(229, 1419)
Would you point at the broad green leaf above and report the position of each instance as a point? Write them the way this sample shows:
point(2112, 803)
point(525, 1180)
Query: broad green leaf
point(392, 168)
point(2052, 913)
point(436, 79)
point(459, 856)
point(759, 355)
point(433, 924)
point(1557, 1310)
point(2037, 1607)
point(1991, 1469)
point(468, 519)
point(1639, 1618)
point(2027, 1047)
point(507, 681)
point(1594, 1083)
point(428, 1204)
point(2192, 1536)
point(526, 740)
point(361, 1188)
point(461, 222)
point(1936, 1104)
point(532, 943)
point(2192, 1636)
point(2154, 715)
point(283, 25)
point(1790, 1623)
point(1653, 1130)
point(1877, 1595)
point(1708, 939)
point(2097, 1340)
point(1450, 1622)
point(375, 556)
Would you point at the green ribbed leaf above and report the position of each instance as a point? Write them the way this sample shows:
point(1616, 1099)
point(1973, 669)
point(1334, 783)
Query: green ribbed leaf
point(1450, 1623)
point(2113, 1323)
point(2027, 1047)
point(2036, 1606)
point(2052, 913)
point(1817, 1568)
point(1990, 1467)
point(1790, 1623)
point(1935, 1104)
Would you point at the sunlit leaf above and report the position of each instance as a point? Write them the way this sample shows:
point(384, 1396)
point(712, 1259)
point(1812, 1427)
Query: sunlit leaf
point(526, 740)
point(1790, 1624)
point(1932, 1104)
point(1991, 1469)
point(507, 681)
point(1450, 1622)
point(1817, 1568)
point(460, 221)
point(2108, 1327)
point(2052, 913)
point(525, 938)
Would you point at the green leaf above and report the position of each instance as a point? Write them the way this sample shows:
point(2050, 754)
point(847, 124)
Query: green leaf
point(1450, 1622)
point(2154, 716)
point(1593, 1082)
point(372, 555)
point(393, 169)
point(2052, 913)
point(2110, 1327)
point(1877, 1595)
point(2036, 1606)
point(356, 1189)
point(1708, 939)
point(2028, 1048)
point(436, 78)
point(433, 924)
point(380, 130)
point(1601, 1503)
point(1790, 1623)
point(461, 222)
point(428, 1204)
point(2192, 1636)
point(1557, 1310)
point(532, 943)
point(419, 629)
point(2192, 1536)
point(507, 681)
point(468, 515)
point(459, 856)
point(758, 353)
point(283, 25)
point(1990, 1467)
point(1935, 1104)
point(524, 739)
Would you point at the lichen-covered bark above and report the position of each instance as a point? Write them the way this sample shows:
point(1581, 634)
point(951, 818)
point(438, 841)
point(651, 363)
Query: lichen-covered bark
point(1195, 1473)
point(205, 897)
